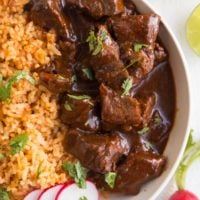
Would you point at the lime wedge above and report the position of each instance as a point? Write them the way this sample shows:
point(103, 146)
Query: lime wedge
point(193, 30)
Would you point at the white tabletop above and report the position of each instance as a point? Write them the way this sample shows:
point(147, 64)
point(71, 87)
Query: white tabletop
point(176, 13)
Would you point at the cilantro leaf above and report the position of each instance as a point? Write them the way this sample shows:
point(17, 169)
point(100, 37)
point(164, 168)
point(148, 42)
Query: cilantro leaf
point(96, 42)
point(6, 89)
point(77, 172)
point(4, 194)
point(68, 106)
point(148, 145)
point(89, 74)
point(81, 97)
point(134, 61)
point(143, 131)
point(126, 86)
point(39, 170)
point(2, 155)
point(137, 47)
point(74, 78)
point(110, 179)
point(83, 198)
point(18, 143)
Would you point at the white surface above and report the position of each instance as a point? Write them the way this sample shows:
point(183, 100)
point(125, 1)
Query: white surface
point(176, 13)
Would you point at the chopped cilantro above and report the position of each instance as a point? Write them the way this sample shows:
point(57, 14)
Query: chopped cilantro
point(81, 97)
point(126, 86)
point(134, 61)
point(96, 42)
point(74, 78)
point(110, 179)
point(83, 198)
point(2, 155)
point(89, 74)
point(143, 131)
point(137, 47)
point(68, 106)
point(4, 194)
point(77, 172)
point(18, 143)
point(5, 90)
point(39, 170)
point(157, 120)
point(148, 145)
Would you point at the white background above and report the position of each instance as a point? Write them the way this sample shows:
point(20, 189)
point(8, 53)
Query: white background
point(176, 13)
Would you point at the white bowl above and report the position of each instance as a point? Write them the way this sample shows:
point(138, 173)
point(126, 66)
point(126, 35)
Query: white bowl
point(180, 131)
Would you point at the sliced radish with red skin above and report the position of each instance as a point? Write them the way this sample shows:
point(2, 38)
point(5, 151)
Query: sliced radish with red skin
point(33, 195)
point(183, 195)
point(50, 193)
point(71, 191)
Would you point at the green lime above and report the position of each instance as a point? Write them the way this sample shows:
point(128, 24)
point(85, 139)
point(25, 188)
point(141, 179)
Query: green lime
point(193, 30)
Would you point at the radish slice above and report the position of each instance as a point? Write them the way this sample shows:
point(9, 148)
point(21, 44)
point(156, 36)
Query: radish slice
point(33, 195)
point(73, 192)
point(50, 193)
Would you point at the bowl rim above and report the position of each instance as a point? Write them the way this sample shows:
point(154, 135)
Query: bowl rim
point(187, 131)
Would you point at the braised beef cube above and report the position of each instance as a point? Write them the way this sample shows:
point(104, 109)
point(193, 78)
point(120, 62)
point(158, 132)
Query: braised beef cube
point(137, 170)
point(141, 29)
point(98, 8)
point(140, 62)
point(48, 14)
point(130, 8)
point(55, 82)
point(119, 110)
point(79, 111)
point(106, 63)
point(160, 54)
point(99, 153)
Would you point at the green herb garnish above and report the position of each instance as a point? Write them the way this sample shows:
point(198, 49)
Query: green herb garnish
point(74, 78)
point(89, 74)
point(4, 194)
point(68, 106)
point(126, 86)
point(148, 145)
point(18, 143)
point(81, 97)
point(110, 179)
point(2, 155)
point(78, 172)
point(83, 198)
point(5, 90)
point(137, 47)
point(39, 170)
point(143, 131)
point(157, 120)
point(96, 42)
point(134, 61)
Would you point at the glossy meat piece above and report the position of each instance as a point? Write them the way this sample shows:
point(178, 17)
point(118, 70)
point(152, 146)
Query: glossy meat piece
point(160, 54)
point(107, 65)
point(141, 29)
point(48, 14)
point(56, 76)
point(99, 153)
point(98, 8)
point(119, 110)
point(130, 8)
point(79, 113)
point(125, 112)
point(143, 60)
point(137, 170)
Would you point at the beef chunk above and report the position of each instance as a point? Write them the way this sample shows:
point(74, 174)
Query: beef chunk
point(130, 8)
point(140, 62)
point(141, 29)
point(124, 111)
point(99, 153)
point(56, 76)
point(160, 54)
point(107, 65)
point(137, 170)
point(98, 8)
point(48, 14)
point(79, 113)
point(119, 110)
